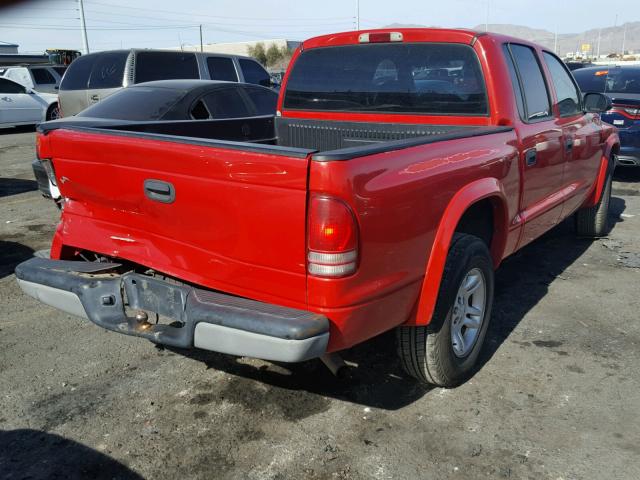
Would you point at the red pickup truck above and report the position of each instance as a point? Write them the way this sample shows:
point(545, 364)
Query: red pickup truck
point(401, 168)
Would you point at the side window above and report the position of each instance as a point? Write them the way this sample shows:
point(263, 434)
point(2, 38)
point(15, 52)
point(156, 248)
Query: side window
point(199, 111)
point(7, 86)
point(221, 68)
point(264, 100)
point(254, 73)
point(165, 65)
point(532, 84)
point(514, 81)
point(226, 103)
point(42, 76)
point(566, 90)
point(60, 70)
point(20, 75)
point(108, 70)
point(77, 75)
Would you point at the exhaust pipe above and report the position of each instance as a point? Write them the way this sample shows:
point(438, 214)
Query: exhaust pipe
point(335, 363)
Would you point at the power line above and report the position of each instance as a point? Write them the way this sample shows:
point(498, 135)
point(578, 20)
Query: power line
point(198, 14)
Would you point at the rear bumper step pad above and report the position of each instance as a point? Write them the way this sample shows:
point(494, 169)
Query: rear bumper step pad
point(202, 318)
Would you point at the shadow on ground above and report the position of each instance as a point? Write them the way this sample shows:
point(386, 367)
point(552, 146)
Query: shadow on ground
point(377, 379)
point(37, 455)
point(20, 129)
point(14, 186)
point(626, 174)
point(11, 254)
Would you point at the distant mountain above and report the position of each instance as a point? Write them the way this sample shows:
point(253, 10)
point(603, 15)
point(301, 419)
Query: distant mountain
point(610, 37)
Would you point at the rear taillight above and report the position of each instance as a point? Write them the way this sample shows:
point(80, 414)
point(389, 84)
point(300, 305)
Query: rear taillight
point(628, 111)
point(51, 173)
point(332, 242)
point(42, 154)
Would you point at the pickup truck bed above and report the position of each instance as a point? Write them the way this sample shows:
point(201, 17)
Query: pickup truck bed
point(317, 136)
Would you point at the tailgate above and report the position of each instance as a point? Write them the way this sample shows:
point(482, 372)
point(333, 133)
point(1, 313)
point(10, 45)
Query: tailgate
point(228, 216)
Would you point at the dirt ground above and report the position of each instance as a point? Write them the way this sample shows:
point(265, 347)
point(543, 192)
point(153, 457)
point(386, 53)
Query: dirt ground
point(557, 397)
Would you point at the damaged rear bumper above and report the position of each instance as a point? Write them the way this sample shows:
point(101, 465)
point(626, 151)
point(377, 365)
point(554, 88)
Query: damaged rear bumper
point(201, 318)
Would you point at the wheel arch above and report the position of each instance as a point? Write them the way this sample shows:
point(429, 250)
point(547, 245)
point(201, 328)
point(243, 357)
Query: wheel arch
point(485, 196)
point(607, 164)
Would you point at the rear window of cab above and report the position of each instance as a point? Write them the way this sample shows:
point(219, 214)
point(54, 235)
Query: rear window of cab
point(412, 78)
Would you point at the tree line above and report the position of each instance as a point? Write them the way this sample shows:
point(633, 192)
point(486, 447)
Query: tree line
point(273, 56)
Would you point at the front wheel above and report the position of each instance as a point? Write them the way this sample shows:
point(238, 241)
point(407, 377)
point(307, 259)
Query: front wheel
point(53, 113)
point(445, 352)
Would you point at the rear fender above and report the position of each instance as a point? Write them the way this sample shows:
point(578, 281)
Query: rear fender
point(460, 203)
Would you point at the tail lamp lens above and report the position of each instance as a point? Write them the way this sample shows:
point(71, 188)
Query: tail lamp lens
point(332, 238)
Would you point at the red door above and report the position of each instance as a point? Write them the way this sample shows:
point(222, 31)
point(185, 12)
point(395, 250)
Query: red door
point(581, 138)
point(542, 160)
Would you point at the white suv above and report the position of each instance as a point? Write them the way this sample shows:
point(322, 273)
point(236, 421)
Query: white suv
point(42, 78)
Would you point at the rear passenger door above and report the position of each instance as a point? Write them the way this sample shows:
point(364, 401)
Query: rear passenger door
point(581, 136)
point(263, 100)
point(43, 80)
point(541, 149)
point(227, 103)
point(222, 68)
point(150, 66)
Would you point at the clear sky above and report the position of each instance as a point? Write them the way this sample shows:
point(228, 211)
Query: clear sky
point(39, 24)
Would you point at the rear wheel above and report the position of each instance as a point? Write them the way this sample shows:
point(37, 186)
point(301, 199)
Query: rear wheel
point(594, 221)
point(445, 352)
point(53, 113)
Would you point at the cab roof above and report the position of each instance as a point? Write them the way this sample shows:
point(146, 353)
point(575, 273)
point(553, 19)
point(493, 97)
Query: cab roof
point(413, 35)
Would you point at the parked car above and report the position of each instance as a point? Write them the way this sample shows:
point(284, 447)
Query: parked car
point(185, 100)
point(20, 105)
point(373, 203)
point(622, 84)
point(93, 77)
point(42, 78)
point(577, 65)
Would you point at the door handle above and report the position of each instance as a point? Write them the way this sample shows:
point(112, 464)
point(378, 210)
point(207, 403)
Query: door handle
point(95, 97)
point(568, 145)
point(7, 99)
point(531, 157)
point(159, 191)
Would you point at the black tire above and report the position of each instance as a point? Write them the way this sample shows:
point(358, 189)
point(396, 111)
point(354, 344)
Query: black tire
point(53, 113)
point(594, 221)
point(427, 353)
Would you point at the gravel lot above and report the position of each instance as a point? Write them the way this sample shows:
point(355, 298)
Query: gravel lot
point(557, 397)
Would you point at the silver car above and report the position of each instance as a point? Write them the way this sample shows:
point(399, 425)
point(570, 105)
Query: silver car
point(93, 77)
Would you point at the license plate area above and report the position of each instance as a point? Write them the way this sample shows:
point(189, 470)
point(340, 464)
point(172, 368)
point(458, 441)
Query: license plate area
point(155, 296)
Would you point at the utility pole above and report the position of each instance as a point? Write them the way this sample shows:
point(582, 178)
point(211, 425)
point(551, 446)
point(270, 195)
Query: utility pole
point(613, 35)
point(624, 38)
point(83, 27)
point(486, 19)
point(357, 14)
point(555, 41)
point(599, 39)
point(201, 46)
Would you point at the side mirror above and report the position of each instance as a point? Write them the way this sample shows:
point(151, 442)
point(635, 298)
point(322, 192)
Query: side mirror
point(596, 102)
